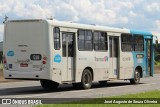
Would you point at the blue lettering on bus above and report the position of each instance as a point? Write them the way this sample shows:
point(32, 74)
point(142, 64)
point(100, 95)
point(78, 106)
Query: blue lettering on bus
point(10, 53)
point(57, 58)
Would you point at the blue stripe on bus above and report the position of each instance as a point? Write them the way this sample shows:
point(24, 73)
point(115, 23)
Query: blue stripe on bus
point(140, 32)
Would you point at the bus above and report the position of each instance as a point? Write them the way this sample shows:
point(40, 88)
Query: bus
point(57, 52)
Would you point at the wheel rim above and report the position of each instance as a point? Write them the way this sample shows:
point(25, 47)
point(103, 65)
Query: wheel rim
point(86, 79)
point(137, 76)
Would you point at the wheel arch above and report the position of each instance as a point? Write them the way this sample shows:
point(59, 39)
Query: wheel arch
point(139, 68)
point(91, 71)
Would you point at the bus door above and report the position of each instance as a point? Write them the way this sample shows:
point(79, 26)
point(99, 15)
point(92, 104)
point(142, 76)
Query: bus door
point(68, 44)
point(148, 51)
point(114, 50)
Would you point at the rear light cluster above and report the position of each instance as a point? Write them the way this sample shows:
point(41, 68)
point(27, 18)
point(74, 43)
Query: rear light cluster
point(4, 60)
point(44, 60)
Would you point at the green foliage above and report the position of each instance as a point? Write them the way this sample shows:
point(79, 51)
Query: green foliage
point(157, 63)
point(157, 53)
point(1, 53)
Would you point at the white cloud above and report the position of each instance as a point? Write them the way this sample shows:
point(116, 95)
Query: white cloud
point(138, 2)
point(97, 11)
point(1, 31)
point(123, 19)
point(31, 10)
point(153, 7)
point(125, 4)
point(132, 14)
point(4, 8)
point(67, 10)
point(157, 23)
point(155, 30)
point(126, 13)
point(1, 28)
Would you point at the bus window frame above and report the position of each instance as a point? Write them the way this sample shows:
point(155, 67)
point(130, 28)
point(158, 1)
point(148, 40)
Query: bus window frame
point(84, 39)
point(127, 42)
point(134, 35)
point(98, 41)
point(56, 27)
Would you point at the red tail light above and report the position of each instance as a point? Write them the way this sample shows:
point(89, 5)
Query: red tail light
point(4, 60)
point(44, 60)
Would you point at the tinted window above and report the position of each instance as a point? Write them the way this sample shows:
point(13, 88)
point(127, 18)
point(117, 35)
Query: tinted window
point(138, 43)
point(100, 41)
point(126, 42)
point(84, 40)
point(56, 34)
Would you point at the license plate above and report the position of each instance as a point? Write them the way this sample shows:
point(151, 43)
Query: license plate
point(35, 57)
point(23, 65)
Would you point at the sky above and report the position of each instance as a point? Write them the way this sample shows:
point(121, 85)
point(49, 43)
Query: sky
point(131, 14)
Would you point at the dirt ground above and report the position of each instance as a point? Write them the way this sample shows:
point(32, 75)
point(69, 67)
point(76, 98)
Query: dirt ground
point(157, 71)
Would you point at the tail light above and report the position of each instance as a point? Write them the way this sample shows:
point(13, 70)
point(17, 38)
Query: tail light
point(5, 63)
point(44, 61)
point(4, 60)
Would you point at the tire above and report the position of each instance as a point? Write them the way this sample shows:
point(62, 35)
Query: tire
point(103, 83)
point(136, 79)
point(48, 84)
point(86, 80)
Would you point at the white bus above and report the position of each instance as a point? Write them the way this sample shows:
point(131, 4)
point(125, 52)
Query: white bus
point(56, 52)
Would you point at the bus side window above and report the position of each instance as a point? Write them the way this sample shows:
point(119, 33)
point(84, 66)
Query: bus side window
point(126, 41)
point(85, 40)
point(138, 43)
point(56, 35)
point(100, 41)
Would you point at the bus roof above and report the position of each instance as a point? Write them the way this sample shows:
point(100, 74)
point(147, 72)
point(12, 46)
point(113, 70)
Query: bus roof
point(85, 26)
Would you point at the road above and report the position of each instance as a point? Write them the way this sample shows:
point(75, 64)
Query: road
point(32, 89)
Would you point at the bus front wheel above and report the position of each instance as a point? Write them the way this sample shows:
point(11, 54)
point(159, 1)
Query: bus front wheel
point(136, 78)
point(86, 81)
point(48, 84)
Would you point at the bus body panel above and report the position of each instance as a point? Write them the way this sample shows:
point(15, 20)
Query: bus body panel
point(23, 40)
point(126, 65)
point(146, 61)
point(101, 65)
point(84, 59)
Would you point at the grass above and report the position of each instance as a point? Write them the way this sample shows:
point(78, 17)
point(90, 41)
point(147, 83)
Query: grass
point(99, 103)
point(1, 67)
point(157, 63)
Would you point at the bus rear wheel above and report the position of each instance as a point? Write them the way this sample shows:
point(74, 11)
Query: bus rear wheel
point(86, 81)
point(136, 78)
point(48, 84)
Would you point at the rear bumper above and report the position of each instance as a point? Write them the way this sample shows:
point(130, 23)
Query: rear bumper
point(29, 75)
